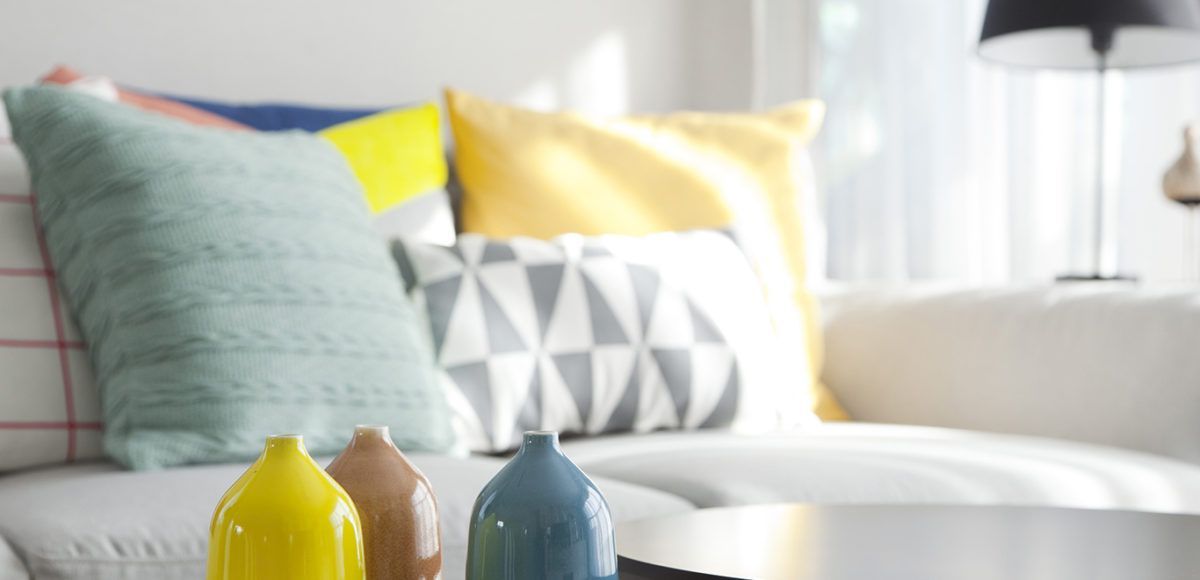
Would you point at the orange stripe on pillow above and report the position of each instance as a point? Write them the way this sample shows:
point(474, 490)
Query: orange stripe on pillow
point(63, 75)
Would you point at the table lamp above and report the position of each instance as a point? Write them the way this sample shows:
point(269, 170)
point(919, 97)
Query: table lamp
point(1092, 35)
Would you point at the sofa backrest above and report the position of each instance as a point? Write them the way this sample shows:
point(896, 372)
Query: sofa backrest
point(1114, 365)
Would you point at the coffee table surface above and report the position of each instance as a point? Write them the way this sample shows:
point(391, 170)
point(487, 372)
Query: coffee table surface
point(783, 542)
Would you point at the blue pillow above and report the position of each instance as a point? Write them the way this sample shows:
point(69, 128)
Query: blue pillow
point(277, 117)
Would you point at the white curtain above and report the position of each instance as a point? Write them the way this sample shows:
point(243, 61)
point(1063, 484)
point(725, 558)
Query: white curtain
point(936, 165)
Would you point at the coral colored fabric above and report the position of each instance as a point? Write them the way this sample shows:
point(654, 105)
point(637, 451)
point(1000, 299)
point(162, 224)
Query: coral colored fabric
point(63, 75)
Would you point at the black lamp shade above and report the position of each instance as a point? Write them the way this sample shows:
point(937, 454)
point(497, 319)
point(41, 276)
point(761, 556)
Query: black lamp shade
point(1070, 33)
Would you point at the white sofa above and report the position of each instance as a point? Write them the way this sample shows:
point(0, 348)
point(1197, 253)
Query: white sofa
point(1112, 365)
point(1070, 375)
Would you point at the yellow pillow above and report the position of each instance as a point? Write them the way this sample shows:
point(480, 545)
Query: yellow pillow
point(545, 174)
point(396, 154)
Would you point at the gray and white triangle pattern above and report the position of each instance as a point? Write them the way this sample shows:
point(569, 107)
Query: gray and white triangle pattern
point(594, 335)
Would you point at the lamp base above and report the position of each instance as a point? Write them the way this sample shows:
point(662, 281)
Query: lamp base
point(1126, 278)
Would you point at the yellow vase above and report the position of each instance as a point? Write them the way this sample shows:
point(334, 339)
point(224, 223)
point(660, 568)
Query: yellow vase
point(285, 519)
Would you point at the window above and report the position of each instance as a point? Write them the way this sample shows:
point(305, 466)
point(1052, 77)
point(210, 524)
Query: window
point(936, 165)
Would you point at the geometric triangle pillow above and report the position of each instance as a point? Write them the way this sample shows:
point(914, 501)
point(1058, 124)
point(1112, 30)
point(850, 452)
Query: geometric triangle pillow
point(591, 335)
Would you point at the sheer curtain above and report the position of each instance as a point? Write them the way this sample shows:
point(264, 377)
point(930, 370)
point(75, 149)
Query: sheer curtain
point(936, 165)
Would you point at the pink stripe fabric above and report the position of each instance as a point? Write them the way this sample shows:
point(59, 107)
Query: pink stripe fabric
point(66, 420)
point(59, 333)
point(95, 426)
point(20, 343)
point(25, 272)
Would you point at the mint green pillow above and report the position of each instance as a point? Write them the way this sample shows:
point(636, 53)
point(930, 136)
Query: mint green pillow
point(228, 283)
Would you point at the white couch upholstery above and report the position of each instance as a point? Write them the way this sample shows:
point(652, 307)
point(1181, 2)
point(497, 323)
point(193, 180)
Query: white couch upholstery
point(98, 522)
point(1093, 366)
point(1100, 364)
point(864, 463)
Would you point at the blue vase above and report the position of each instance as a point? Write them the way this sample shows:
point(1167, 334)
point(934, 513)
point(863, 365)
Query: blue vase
point(541, 518)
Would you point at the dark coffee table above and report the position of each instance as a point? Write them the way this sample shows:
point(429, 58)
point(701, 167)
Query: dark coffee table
point(795, 542)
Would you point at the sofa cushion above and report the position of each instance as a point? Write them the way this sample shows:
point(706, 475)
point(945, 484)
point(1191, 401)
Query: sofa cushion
point(97, 522)
point(857, 463)
point(11, 567)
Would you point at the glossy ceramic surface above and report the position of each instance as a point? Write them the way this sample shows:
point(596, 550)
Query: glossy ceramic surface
point(285, 519)
point(396, 505)
point(541, 518)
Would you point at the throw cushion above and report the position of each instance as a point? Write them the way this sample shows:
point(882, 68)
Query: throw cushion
point(597, 335)
point(51, 410)
point(277, 116)
point(397, 154)
point(227, 283)
point(64, 75)
point(49, 405)
point(527, 173)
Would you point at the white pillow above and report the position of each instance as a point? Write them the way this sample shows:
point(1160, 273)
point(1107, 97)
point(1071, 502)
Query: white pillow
point(425, 218)
point(14, 176)
point(600, 334)
point(49, 404)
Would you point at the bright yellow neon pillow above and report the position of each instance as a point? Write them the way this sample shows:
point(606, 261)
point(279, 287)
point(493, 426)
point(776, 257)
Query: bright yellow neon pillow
point(545, 174)
point(395, 154)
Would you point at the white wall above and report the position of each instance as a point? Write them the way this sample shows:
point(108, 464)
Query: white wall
point(604, 56)
point(1154, 106)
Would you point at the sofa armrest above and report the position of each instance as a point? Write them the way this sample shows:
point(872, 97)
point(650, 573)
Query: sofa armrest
point(1117, 366)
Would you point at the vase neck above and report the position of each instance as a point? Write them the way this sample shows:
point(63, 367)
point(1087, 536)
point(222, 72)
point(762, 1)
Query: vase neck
point(280, 446)
point(370, 436)
point(540, 441)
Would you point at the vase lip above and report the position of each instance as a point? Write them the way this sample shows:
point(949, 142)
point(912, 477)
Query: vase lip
point(372, 430)
point(540, 438)
point(283, 443)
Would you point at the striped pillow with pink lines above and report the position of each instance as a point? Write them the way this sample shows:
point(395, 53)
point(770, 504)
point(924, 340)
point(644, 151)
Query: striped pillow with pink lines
point(49, 405)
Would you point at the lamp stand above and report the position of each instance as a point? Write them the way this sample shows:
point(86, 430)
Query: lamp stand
point(1102, 40)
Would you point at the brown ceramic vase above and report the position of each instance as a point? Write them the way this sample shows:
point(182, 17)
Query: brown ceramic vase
point(395, 502)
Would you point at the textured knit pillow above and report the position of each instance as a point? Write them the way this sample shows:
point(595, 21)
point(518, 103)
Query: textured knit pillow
point(227, 283)
point(598, 335)
point(528, 173)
